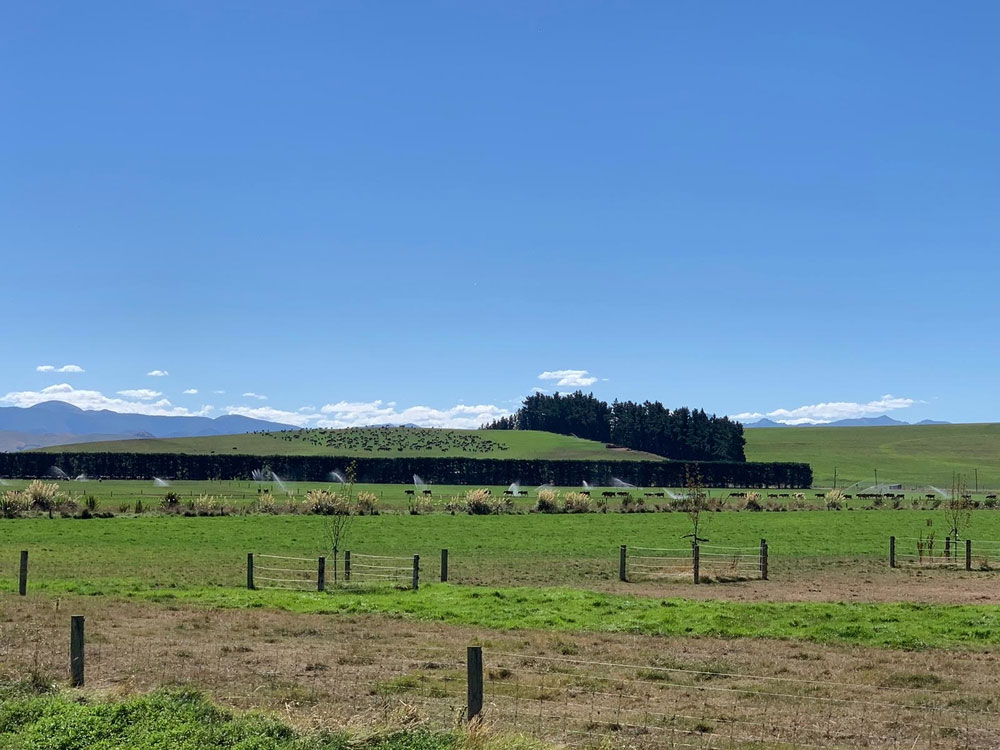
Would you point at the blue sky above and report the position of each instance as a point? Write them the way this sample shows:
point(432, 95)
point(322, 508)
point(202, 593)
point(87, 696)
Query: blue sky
point(412, 210)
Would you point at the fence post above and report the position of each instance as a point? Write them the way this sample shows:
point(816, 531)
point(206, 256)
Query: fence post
point(321, 574)
point(250, 571)
point(474, 682)
point(968, 554)
point(76, 662)
point(347, 565)
point(22, 578)
point(416, 572)
point(696, 562)
point(947, 548)
point(622, 560)
point(763, 559)
point(892, 552)
point(444, 566)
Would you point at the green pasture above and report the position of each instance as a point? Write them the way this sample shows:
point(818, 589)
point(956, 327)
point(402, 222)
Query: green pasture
point(912, 455)
point(377, 442)
point(556, 572)
point(129, 554)
point(120, 496)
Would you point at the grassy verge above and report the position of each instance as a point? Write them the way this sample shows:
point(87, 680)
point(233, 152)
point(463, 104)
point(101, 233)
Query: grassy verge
point(175, 720)
point(886, 625)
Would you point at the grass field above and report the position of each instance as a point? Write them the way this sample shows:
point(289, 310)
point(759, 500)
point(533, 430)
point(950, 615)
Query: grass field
point(378, 442)
point(835, 644)
point(913, 455)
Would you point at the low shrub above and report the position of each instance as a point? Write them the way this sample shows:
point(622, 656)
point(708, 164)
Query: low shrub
point(548, 501)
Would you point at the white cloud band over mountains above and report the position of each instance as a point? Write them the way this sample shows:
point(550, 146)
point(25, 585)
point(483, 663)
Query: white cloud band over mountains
point(333, 415)
point(830, 411)
point(138, 401)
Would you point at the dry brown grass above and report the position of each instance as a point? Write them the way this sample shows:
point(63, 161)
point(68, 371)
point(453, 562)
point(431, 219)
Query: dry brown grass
point(364, 671)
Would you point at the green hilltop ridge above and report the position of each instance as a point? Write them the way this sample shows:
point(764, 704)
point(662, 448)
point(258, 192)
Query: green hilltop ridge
point(902, 454)
point(386, 442)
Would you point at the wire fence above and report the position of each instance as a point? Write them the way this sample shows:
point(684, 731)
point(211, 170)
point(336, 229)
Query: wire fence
point(283, 572)
point(944, 552)
point(381, 569)
point(719, 561)
point(584, 703)
point(657, 563)
point(322, 670)
point(696, 563)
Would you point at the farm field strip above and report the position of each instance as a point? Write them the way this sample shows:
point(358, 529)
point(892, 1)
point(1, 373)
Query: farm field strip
point(908, 454)
point(556, 686)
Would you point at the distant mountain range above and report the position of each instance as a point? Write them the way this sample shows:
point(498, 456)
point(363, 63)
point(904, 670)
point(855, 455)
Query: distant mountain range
point(883, 421)
point(58, 423)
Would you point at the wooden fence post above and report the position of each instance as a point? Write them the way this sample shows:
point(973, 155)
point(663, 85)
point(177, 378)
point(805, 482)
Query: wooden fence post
point(250, 571)
point(347, 565)
point(474, 682)
point(416, 572)
point(892, 552)
point(444, 566)
point(76, 661)
point(22, 578)
point(968, 554)
point(696, 562)
point(622, 560)
point(763, 559)
point(321, 574)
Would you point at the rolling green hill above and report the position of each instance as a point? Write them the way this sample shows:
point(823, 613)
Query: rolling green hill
point(388, 442)
point(908, 454)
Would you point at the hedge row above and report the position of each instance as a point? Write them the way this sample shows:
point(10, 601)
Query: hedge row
point(481, 471)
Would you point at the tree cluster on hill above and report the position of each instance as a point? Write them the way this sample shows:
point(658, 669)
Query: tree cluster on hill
point(682, 434)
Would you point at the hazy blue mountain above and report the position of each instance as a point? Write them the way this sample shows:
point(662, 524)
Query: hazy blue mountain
point(882, 421)
point(57, 418)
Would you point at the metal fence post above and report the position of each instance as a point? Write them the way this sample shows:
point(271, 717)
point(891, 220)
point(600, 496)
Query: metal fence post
point(892, 552)
point(622, 558)
point(474, 682)
point(347, 565)
point(250, 570)
point(416, 572)
point(763, 559)
point(968, 554)
point(76, 661)
point(321, 574)
point(444, 566)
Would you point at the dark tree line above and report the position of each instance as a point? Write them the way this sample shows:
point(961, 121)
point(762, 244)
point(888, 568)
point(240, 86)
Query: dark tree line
point(473, 471)
point(682, 434)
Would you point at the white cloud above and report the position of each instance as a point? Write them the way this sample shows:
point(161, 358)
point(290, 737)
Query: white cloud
point(570, 378)
point(92, 400)
point(831, 411)
point(218, 393)
point(258, 396)
point(360, 413)
point(158, 373)
point(191, 392)
point(64, 368)
point(143, 394)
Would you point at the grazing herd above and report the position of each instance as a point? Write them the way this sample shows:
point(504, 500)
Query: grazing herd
point(393, 440)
